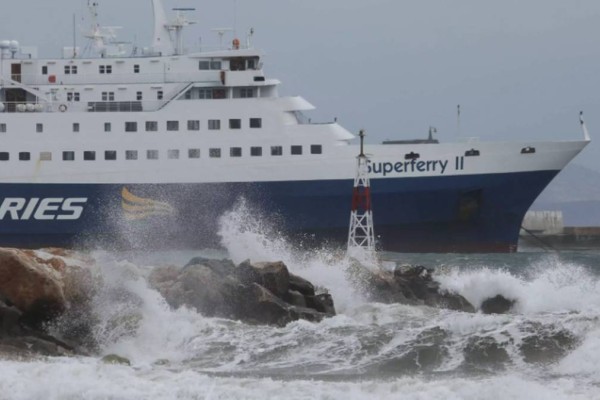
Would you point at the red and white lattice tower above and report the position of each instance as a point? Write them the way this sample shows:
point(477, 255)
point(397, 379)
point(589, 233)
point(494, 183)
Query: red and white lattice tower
point(362, 234)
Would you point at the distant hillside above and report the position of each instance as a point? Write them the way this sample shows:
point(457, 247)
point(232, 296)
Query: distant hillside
point(576, 192)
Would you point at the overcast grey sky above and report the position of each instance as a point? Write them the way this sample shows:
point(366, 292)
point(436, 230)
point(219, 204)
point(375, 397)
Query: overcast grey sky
point(520, 69)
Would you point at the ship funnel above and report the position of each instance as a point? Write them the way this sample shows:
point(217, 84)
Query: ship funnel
point(162, 42)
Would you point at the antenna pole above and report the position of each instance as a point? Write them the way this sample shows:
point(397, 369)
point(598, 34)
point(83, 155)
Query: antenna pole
point(458, 120)
point(74, 36)
point(235, 18)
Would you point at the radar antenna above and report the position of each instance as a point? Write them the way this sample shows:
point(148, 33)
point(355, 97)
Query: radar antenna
point(178, 25)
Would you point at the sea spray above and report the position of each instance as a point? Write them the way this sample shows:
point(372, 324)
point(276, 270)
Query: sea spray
point(246, 234)
point(547, 286)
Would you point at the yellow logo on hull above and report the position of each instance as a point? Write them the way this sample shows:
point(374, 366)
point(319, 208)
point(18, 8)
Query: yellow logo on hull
point(137, 208)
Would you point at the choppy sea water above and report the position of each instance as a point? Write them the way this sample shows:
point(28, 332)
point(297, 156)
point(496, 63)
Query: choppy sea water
point(547, 348)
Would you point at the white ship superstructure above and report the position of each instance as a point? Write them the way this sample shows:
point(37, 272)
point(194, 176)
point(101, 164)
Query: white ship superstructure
point(149, 134)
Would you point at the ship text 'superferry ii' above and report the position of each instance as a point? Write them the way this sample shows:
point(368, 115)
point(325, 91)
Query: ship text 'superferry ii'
point(157, 143)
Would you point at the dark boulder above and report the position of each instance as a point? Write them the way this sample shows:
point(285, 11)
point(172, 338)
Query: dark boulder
point(411, 285)
point(485, 353)
point(301, 285)
point(263, 293)
point(497, 305)
point(545, 344)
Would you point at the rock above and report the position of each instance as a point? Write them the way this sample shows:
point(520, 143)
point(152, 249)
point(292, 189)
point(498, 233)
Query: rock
point(35, 288)
point(264, 293)
point(497, 305)
point(322, 303)
point(413, 286)
point(32, 346)
point(545, 344)
point(301, 285)
point(116, 360)
point(9, 320)
point(296, 299)
point(273, 276)
point(485, 352)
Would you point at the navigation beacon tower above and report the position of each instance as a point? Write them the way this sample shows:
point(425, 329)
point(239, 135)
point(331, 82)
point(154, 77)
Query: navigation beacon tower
point(361, 234)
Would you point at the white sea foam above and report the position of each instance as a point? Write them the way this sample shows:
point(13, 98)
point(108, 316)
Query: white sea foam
point(87, 379)
point(549, 286)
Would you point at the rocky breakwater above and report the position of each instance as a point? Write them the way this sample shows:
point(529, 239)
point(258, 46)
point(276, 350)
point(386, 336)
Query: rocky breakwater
point(260, 293)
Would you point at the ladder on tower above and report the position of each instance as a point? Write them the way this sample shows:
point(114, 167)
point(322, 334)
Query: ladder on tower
point(361, 236)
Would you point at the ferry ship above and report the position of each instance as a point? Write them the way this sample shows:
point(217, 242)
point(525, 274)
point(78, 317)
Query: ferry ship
point(149, 147)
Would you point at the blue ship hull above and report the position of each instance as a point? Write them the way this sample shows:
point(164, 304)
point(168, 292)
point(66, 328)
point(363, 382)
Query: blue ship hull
point(471, 213)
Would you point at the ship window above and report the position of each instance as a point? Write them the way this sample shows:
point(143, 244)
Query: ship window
point(235, 152)
point(219, 94)
point(214, 153)
point(109, 69)
point(215, 65)
point(39, 128)
point(472, 153)
point(102, 69)
point(276, 150)
point(172, 126)
point(296, 150)
point(2, 128)
point(188, 95)
point(237, 64)
point(24, 156)
point(45, 70)
point(89, 155)
point(151, 126)
point(204, 65)
point(193, 125)
point(412, 156)
point(45, 156)
point(130, 126)
point(256, 151)
point(159, 95)
point(255, 122)
point(235, 124)
point(139, 96)
point(214, 124)
point(74, 69)
point(108, 96)
point(246, 93)
point(316, 149)
point(194, 153)
point(73, 96)
point(75, 127)
point(107, 127)
point(528, 150)
point(136, 69)
point(4, 156)
point(205, 94)
point(152, 154)
point(251, 63)
point(110, 155)
point(68, 156)
point(67, 69)
point(173, 154)
point(131, 154)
